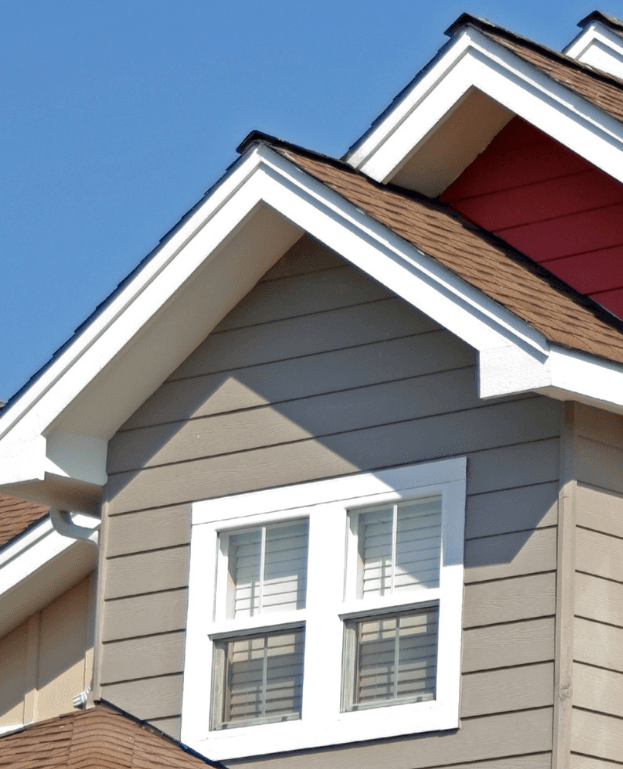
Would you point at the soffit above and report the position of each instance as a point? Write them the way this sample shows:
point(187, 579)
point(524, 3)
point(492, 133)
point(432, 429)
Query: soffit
point(564, 316)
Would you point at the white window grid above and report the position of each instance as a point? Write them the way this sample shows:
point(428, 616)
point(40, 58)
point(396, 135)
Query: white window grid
point(331, 599)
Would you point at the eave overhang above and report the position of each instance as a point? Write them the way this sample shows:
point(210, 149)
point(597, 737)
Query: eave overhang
point(53, 440)
point(400, 146)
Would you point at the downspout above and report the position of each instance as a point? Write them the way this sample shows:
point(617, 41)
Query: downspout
point(64, 525)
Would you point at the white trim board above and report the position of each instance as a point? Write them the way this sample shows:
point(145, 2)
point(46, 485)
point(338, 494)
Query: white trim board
point(475, 61)
point(208, 266)
point(328, 506)
point(600, 47)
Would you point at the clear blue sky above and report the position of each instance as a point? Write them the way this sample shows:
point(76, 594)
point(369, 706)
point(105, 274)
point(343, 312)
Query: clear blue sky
point(116, 115)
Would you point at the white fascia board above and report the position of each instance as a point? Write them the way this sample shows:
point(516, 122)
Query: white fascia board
point(477, 61)
point(402, 268)
point(264, 177)
point(34, 550)
point(599, 47)
point(577, 376)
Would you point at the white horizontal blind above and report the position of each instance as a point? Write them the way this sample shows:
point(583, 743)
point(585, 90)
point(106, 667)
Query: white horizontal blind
point(268, 568)
point(263, 678)
point(400, 547)
point(396, 658)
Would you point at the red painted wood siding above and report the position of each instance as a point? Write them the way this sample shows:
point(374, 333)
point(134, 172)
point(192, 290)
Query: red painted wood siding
point(552, 205)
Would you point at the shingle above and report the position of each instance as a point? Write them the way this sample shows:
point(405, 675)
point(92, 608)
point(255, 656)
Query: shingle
point(16, 515)
point(98, 738)
point(564, 316)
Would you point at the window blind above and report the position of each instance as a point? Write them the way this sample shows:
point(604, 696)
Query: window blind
point(395, 658)
point(263, 677)
point(400, 547)
point(268, 568)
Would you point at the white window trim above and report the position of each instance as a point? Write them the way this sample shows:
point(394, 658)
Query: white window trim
point(326, 504)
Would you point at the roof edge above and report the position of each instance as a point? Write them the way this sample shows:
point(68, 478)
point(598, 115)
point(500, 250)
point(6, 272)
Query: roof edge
point(609, 21)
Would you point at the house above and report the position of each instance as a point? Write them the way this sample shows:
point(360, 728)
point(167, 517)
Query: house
point(352, 435)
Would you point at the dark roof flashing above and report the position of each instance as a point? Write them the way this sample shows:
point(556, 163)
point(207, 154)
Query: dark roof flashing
point(464, 20)
point(604, 18)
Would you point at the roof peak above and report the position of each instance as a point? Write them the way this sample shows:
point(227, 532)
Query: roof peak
point(604, 18)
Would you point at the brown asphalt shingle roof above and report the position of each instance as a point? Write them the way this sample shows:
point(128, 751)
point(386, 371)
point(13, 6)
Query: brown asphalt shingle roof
point(17, 515)
point(564, 316)
point(98, 738)
point(600, 88)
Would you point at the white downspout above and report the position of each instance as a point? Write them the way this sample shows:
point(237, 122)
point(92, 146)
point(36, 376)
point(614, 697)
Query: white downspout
point(64, 525)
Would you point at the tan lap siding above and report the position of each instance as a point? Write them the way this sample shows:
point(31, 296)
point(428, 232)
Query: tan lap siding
point(47, 660)
point(289, 390)
point(598, 629)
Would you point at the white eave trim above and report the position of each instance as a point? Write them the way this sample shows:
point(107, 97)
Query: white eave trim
point(600, 47)
point(476, 61)
point(34, 550)
point(514, 357)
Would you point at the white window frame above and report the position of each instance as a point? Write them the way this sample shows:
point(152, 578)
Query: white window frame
point(329, 602)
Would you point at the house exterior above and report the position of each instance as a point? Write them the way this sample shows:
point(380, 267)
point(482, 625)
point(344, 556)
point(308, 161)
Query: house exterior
point(351, 441)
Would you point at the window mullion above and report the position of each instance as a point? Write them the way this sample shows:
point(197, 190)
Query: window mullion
point(396, 656)
point(394, 543)
point(262, 567)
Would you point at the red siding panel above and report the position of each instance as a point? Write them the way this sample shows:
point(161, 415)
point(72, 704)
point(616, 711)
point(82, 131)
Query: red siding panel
point(550, 204)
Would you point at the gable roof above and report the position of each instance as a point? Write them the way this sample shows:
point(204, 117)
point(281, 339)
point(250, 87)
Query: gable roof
point(102, 737)
point(530, 330)
point(17, 515)
point(531, 292)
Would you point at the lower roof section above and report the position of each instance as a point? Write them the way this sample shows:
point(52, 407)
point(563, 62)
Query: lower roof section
point(102, 737)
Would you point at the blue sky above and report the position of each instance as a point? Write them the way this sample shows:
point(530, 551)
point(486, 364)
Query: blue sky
point(116, 116)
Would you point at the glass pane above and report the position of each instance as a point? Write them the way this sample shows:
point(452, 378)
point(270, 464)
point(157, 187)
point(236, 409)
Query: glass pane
point(418, 544)
point(280, 552)
point(396, 658)
point(375, 535)
point(245, 557)
point(263, 678)
point(285, 569)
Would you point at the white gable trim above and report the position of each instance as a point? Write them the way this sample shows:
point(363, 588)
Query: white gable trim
point(36, 444)
point(476, 61)
point(599, 47)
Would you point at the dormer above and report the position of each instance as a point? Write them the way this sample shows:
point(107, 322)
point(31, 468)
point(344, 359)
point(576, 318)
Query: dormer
point(599, 44)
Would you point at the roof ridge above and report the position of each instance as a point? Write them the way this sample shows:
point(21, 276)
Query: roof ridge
point(486, 26)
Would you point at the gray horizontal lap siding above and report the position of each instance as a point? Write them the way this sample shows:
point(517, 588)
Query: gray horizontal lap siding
point(597, 736)
point(286, 391)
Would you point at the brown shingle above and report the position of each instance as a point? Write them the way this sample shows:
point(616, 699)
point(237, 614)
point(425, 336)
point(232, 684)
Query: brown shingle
point(98, 738)
point(601, 88)
point(17, 515)
point(510, 278)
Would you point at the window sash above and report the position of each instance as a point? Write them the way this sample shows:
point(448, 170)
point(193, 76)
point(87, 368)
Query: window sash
point(267, 569)
point(390, 659)
point(258, 678)
point(399, 547)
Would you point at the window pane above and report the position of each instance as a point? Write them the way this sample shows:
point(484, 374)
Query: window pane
point(418, 544)
point(395, 658)
point(268, 568)
point(375, 535)
point(400, 547)
point(285, 569)
point(262, 678)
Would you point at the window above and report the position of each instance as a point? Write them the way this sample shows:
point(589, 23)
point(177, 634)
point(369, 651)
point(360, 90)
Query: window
point(326, 613)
